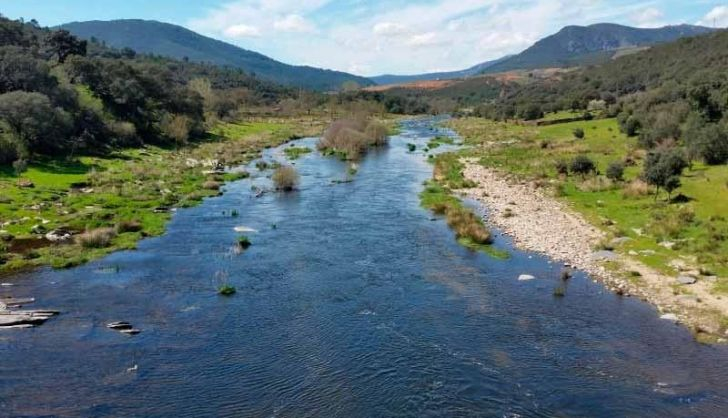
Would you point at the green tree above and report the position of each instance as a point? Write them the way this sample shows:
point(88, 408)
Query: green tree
point(62, 44)
point(34, 122)
point(662, 166)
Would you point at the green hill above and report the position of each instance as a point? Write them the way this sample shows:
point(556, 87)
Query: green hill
point(151, 37)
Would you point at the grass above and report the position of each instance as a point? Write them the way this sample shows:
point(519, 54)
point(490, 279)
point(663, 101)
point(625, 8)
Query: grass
point(95, 192)
point(470, 231)
point(625, 208)
point(295, 153)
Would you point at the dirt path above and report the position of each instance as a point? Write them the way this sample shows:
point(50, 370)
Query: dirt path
point(540, 223)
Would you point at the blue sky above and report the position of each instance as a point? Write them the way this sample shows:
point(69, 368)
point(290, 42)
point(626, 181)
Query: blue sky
point(379, 36)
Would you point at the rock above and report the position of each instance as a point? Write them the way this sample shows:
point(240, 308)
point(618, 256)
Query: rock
point(633, 253)
point(669, 317)
point(604, 256)
point(244, 229)
point(119, 325)
point(58, 235)
point(667, 244)
point(25, 184)
point(620, 241)
point(38, 229)
point(132, 331)
point(685, 279)
point(525, 277)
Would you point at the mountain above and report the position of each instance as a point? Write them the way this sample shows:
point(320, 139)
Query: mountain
point(582, 45)
point(448, 75)
point(152, 37)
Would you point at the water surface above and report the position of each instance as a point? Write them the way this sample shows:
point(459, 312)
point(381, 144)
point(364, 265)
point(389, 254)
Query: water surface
point(352, 302)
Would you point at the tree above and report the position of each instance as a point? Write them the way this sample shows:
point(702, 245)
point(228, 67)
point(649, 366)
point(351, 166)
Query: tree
point(583, 165)
point(706, 141)
point(19, 70)
point(62, 44)
point(35, 123)
point(661, 168)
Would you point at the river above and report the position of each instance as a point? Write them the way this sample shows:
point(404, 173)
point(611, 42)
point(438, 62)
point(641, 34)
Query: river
point(352, 302)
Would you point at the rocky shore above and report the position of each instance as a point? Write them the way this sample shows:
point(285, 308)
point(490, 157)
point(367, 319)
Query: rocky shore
point(540, 223)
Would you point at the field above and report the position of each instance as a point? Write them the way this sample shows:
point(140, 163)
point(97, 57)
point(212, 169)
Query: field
point(690, 233)
point(131, 191)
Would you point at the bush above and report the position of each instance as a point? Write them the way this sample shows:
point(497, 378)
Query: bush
point(177, 128)
point(579, 133)
point(97, 238)
point(244, 242)
point(128, 226)
point(562, 167)
point(211, 185)
point(351, 137)
point(286, 178)
point(636, 188)
point(615, 171)
point(583, 165)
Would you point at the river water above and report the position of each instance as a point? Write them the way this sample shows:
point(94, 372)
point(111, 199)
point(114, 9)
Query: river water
point(352, 301)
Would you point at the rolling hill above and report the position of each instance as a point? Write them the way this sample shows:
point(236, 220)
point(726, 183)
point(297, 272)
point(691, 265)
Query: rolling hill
point(152, 37)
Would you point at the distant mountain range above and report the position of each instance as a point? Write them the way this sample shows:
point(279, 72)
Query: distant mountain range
point(152, 37)
point(447, 75)
point(571, 46)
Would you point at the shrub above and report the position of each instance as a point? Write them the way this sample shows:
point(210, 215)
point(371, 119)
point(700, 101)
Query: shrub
point(285, 178)
point(176, 128)
point(351, 137)
point(244, 242)
point(583, 165)
point(97, 238)
point(636, 188)
point(615, 171)
point(128, 226)
point(562, 167)
point(211, 185)
point(579, 133)
point(411, 147)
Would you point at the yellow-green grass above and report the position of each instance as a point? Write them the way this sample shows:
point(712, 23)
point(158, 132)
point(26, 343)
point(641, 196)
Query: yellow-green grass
point(128, 185)
point(562, 114)
point(532, 152)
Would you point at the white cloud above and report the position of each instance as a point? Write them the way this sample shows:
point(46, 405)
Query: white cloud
point(650, 17)
point(241, 31)
point(294, 23)
point(425, 40)
point(717, 17)
point(389, 29)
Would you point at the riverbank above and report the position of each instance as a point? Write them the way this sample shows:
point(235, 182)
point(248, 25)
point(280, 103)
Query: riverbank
point(118, 199)
point(592, 224)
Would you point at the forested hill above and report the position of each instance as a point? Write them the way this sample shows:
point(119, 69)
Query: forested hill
point(60, 95)
point(169, 40)
point(582, 45)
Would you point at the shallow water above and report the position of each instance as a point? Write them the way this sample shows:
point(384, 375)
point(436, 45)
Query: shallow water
point(351, 302)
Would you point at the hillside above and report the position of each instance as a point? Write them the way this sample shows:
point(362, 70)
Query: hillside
point(581, 45)
point(151, 37)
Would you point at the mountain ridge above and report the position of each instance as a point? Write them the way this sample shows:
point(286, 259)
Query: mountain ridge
point(170, 40)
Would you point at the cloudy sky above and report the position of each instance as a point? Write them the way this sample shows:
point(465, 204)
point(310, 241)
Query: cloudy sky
point(371, 37)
